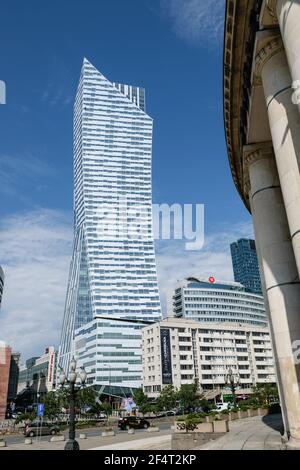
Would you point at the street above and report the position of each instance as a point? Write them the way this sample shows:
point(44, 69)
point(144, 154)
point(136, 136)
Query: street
point(121, 436)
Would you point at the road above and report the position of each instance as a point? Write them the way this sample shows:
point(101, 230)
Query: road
point(90, 432)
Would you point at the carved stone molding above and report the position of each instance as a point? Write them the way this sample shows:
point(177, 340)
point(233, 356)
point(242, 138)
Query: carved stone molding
point(272, 47)
point(271, 7)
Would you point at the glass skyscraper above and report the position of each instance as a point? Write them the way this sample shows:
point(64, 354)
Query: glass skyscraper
point(113, 268)
point(245, 264)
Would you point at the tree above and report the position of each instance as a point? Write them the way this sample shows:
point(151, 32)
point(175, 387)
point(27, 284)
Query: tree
point(52, 405)
point(188, 396)
point(266, 393)
point(86, 398)
point(106, 408)
point(167, 398)
point(141, 400)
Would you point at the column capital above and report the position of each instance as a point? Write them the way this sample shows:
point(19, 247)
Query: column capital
point(251, 154)
point(267, 50)
point(271, 7)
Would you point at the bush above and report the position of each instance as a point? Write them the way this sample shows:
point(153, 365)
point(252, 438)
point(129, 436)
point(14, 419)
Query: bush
point(234, 410)
point(244, 406)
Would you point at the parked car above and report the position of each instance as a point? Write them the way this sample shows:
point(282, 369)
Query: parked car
point(36, 429)
point(176, 412)
point(222, 407)
point(133, 422)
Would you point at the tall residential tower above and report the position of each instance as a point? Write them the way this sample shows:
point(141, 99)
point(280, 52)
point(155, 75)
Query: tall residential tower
point(113, 269)
point(245, 264)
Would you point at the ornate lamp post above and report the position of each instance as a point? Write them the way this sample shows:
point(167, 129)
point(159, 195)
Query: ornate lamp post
point(72, 444)
point(230, 380)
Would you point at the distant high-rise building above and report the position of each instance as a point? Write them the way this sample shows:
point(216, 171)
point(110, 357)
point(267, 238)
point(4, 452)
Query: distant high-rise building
point(245, 264)
point(13, 376)
point(1, 284)
point(113, 268)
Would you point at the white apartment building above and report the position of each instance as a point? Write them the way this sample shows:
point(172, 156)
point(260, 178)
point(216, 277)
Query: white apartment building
point(180, 351)
point(210, 300)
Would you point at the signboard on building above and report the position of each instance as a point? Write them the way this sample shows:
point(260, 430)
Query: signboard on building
point(166, 359)
point(51, 366)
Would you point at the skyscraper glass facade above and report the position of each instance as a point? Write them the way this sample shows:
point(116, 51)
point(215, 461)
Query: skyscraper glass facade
point(245, 264)
point(113, 268)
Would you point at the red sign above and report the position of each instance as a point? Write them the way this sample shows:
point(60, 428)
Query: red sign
point(211, 279)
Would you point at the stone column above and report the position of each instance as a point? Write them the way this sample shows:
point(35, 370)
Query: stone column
point(280, 275)
point(267, 308)
point(284, 120)
point(288, 15)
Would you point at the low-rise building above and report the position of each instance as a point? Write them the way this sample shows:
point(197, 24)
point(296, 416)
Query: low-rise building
point(5, 357)
point(210, 300)
point(179, 351)
point(39, 373)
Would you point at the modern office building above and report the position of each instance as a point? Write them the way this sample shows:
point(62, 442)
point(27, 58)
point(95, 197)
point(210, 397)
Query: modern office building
point(110, 351)
point(178, 351)
point(1, 284)
point(210, 300)
point(245, 264)
point(262, 128)
point(113, 269)
point(5, 357)
point(39, 373)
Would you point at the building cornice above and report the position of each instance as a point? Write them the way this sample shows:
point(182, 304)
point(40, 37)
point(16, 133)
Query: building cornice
point(241, 24)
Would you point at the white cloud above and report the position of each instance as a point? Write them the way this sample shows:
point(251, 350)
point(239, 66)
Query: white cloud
point(35, 252)
point(196, 21)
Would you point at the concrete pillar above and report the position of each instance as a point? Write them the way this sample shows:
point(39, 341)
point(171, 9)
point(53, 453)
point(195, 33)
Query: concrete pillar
point(267, 307)
point(285, 130)
point(288, 14)
point(280, 277)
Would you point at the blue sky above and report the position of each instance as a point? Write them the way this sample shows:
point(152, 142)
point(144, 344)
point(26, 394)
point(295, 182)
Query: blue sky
point(173, 48)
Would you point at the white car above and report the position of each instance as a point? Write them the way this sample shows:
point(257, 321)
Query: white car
point(221, 407)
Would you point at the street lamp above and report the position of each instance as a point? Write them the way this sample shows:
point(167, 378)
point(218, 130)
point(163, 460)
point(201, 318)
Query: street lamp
point(72, 444)
point(230, 379)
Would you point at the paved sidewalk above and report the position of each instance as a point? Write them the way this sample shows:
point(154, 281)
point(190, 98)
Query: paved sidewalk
point(149, 443)
point(250, 434)
point(122, 441)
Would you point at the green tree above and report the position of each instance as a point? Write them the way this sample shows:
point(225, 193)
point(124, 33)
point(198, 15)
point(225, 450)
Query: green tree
point(167, 398)
point(265, 394)
point(106, 408)
point(141, 400)
point(52, 405)
point(86, 397)
point(188, 396)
